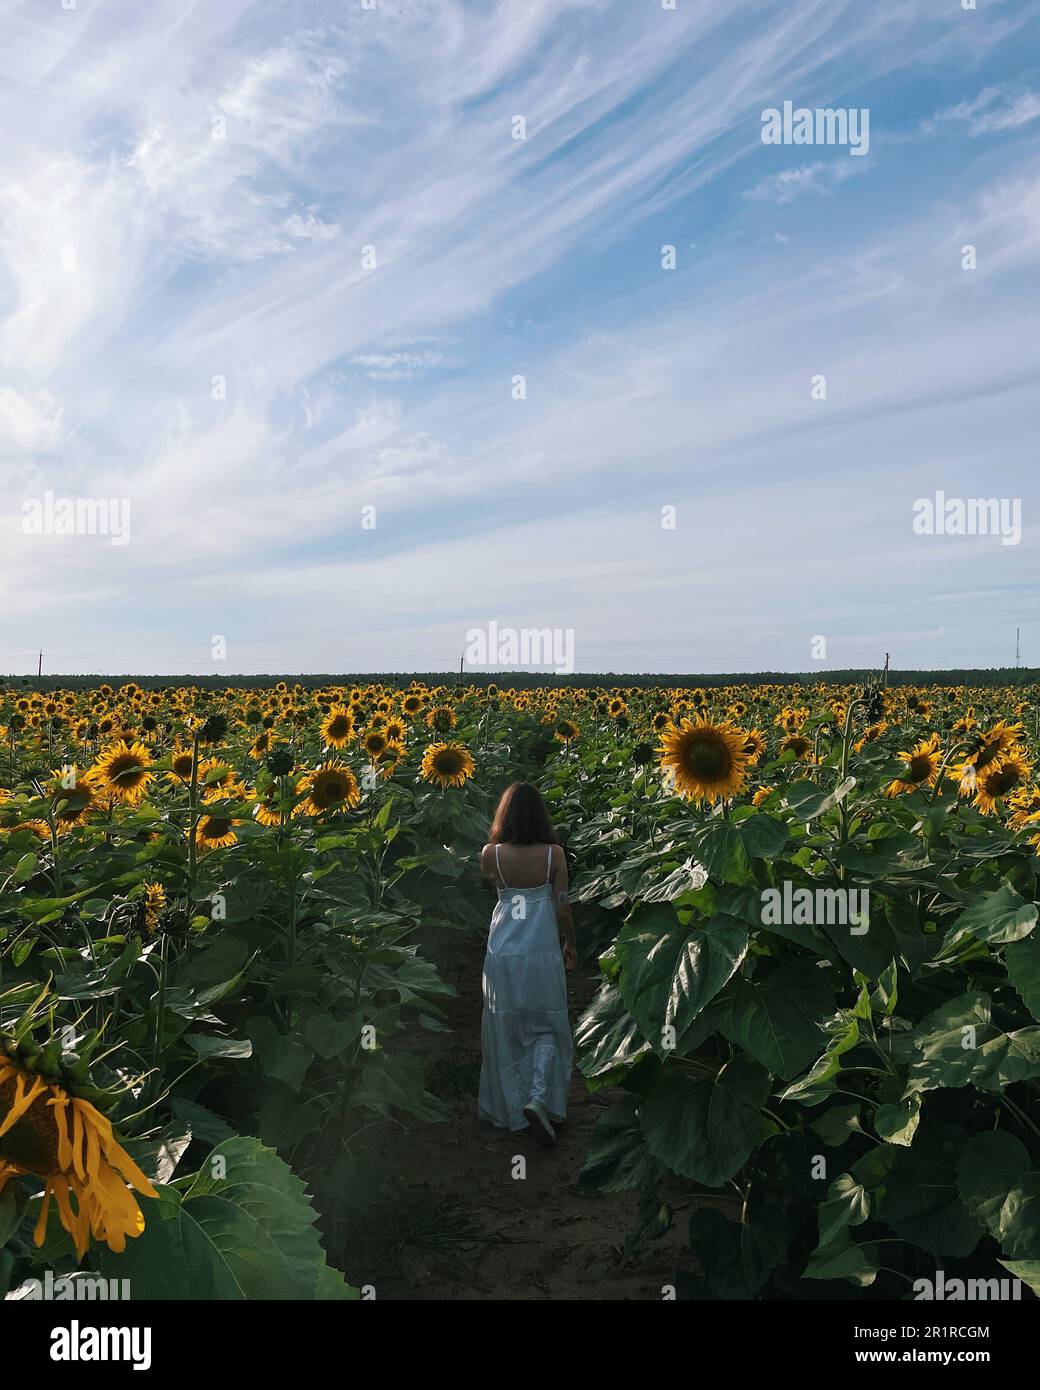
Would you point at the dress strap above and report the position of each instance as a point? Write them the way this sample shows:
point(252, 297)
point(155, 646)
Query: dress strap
point(548, 865)
point(498, 866)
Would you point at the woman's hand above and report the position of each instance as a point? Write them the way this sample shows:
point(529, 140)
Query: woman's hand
point(570, 956)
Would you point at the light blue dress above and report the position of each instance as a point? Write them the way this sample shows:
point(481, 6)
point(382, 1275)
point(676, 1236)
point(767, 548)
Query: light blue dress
point(525, 1034)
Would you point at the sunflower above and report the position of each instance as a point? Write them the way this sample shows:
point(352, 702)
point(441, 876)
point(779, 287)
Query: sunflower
point(39, 828)
point(755, 746)
point(989, 747)
point(73, 797)
point(122, 771)
point(375, 743)
point(566, 731)
point(386, 763)
point(180, 765)
point(337, 727)
point(871, 734)
point(331, 787)
point(706, 760)
point(1000, 777)
point(447, 764)
point(441, 719)
point(1024, 803)
point(412, 704)
point(396, 731)
point(154, 903)
point(262, 744)
point(922, 767)
point(761, 795)
point(797, 744)
point(219, 781)
point(46, 1131)
point(215, 832)
point(268, 811)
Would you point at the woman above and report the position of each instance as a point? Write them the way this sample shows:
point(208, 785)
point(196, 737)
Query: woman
point(525, 1033)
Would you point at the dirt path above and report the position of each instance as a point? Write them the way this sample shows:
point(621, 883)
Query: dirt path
point(461, 1226)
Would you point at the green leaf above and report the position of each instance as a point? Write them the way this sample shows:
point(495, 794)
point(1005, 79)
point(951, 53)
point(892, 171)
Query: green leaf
point(1000, 1186)
point(844, 1259)
point(847, 1204)
point(204, 1125)
point(607, 1036)
point(330, 1036)
point(396, 1083)
point(248, 1234)
point(957, 1045)
point(284, 1056)
point(737, 1256)
point(720, 848)
point(13, 1202)
point(897, 1121)
point(208, 1045)
point(818, 1082)
point(837, 1125)
point(886, 996)
point(1023, 966)
point(921, 1200)
point(617, 1156)
point(25, 868)
point(669, 972)
point(778, 1016)
point(998, 918)
point(1026, 1270)
point(705, 1129)
point(763, 836)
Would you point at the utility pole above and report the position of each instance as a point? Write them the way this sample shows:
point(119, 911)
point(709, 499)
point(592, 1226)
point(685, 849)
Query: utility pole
point(39, 668)
point(1018, 647)
point(886, 669)
point(462, 658)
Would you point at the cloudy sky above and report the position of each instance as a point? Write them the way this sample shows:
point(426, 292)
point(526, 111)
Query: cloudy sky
point(265, 267)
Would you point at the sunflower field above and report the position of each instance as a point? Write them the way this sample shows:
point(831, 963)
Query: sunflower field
point(812, 910)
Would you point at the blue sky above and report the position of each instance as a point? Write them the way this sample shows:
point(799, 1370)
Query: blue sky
point(188, 192)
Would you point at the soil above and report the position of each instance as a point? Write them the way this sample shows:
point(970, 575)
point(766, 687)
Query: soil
point(460, 1225)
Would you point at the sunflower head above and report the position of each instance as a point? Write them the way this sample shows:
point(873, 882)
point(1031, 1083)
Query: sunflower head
point(441, 719)
point(375, 742)
point(122, 772)
point(921, 767)
point(447, 764)
point(331, 787)
point(706, 760)
point(215, 832)
point(338, 727)
point(1000, 777)
point(46, 1131)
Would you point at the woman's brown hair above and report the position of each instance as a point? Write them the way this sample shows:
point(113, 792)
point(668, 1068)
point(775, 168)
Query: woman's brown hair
point(521, 818)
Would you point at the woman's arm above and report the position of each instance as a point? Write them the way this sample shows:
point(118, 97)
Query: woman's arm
point(562, 903)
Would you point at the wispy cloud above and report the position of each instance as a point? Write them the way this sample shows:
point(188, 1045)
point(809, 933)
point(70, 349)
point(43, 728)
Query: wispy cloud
point(789, 184)
point(262, 268)
point(992, 111)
